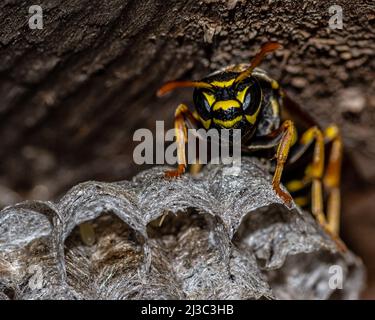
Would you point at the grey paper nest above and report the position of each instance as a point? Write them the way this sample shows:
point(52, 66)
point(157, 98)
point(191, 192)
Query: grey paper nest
point(223, 237)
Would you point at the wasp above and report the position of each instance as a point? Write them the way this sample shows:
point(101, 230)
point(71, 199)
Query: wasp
point(272, 126)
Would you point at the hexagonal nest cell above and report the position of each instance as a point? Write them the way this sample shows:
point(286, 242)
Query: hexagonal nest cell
point(211, 236)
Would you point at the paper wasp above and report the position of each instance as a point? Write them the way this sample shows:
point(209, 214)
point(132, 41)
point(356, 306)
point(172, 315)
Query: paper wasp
point(272, 126)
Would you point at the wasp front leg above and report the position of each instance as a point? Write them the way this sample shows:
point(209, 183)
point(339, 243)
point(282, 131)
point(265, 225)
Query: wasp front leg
point(182, 116)
point(288, 132)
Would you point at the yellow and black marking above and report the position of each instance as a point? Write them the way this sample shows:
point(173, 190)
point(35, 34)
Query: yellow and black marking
point(247, 98)
point(228, 105)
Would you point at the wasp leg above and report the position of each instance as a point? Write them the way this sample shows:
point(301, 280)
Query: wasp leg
point(288, 138)
point(332, 177)
point(314, 172)
point(182, 115)
point(314, 175)
point(195, 168)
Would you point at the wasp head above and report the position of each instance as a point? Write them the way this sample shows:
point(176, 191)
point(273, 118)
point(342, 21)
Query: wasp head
point(228, 99)
point(228, 104)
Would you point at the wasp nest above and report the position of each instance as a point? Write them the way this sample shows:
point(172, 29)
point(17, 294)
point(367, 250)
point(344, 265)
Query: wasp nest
point(214, 236)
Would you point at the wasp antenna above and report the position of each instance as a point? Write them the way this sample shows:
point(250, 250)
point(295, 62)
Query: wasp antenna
point(266, 49)
point(169, 86)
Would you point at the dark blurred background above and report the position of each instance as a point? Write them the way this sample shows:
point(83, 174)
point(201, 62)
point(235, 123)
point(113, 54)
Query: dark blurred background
point(73, 93)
